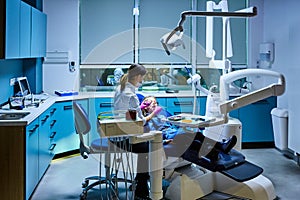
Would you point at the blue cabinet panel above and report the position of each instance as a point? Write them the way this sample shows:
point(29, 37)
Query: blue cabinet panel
point(45, 154)
point(180, 105)
point(97, 106)
point(162, 102)
point(66, 138)
point(257, 122)
point(38, 33)
point(25, 30)
point(12, 40)
point(32, 157)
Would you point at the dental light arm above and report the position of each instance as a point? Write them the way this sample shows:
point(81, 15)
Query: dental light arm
point(247, 12)
point(275, 89)
point(176, 39)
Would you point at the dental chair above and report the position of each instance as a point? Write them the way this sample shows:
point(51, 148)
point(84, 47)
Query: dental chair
point(98, 147)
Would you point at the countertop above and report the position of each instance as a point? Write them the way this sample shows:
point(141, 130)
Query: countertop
point(37, 111)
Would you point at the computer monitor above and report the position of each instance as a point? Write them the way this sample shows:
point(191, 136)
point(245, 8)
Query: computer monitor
point(21, 87)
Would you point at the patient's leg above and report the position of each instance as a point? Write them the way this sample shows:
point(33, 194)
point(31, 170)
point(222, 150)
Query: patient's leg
point(208, 143)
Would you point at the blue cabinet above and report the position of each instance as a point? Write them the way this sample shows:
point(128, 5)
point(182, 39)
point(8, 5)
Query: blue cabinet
point(32, 156)
point(161, 102)
point(38, 33)
point(45, 148)
point(11, 38)
point(180, 105)
point(66, 138)
point(25, 30)
point(96, 106)
point(255, 118)
point(39, 148)
point(257, 121)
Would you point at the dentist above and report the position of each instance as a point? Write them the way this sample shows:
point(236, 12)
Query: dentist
point(125, 98)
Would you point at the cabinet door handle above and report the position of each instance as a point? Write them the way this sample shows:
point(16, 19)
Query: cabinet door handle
point(45, 119)
point(52, 146)
point(34, 128)
point(105, 105)
point(68, 107)
point(183, 103)
point(52, 134)
point(52, 123)
point(52, 111)
point(177, 113)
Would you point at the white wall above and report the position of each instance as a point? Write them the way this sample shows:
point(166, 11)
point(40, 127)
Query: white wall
point(62, 36)
point(282, 27)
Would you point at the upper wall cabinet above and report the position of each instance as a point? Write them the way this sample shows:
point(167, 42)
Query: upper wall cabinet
point(10, 30)
point(23, 30)
point(106, 31)
point(38, 33)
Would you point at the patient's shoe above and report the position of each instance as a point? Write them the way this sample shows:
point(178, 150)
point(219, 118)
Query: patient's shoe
point(227, 145)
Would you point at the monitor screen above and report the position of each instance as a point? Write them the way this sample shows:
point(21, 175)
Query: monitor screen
point(21, 87)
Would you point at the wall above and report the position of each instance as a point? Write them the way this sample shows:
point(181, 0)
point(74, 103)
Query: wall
point(281, 26)
point(8, 69)
point(62, 36)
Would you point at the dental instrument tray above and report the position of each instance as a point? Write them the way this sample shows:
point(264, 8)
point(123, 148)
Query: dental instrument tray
point(189, 120)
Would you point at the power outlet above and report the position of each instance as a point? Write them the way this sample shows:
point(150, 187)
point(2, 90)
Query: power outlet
point(12, 81)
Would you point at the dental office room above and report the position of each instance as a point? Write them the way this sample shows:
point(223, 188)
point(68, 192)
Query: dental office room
point(149, 99)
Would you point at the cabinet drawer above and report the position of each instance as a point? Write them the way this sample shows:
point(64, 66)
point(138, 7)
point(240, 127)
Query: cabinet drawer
point(103, 105)
point(180, 105)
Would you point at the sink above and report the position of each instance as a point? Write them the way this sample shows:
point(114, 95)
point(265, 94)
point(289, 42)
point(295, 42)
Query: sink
point(12, 115)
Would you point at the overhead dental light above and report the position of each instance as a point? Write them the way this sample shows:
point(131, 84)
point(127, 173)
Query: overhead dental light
point(172, 40)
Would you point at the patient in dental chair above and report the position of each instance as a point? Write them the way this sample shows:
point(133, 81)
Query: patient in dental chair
point(179, 142)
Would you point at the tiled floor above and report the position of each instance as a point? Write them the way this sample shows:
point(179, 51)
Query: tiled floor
point(64, 176)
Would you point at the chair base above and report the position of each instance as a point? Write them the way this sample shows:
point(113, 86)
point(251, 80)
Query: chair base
point(111, 186)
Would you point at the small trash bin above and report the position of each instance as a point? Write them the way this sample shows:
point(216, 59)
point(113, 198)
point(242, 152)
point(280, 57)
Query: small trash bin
point(280, 127)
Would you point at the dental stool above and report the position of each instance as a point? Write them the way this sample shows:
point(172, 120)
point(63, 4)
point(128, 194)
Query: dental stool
point(113, 159)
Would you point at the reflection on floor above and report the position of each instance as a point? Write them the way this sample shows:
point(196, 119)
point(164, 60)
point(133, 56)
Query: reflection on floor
point(64, 177)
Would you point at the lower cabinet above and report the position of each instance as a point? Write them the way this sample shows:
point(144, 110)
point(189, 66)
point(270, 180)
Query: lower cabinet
point(177, 105)
point(96, 106)
point(32, 156)
point(45, 147)
point(39, 150)
point(65, 138)
point(256, 120)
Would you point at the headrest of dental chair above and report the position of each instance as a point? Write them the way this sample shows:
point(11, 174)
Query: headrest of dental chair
point(140, 96)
